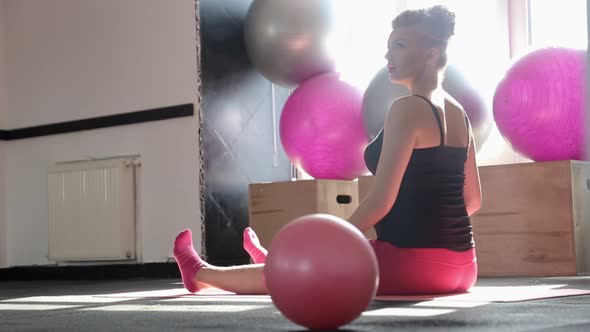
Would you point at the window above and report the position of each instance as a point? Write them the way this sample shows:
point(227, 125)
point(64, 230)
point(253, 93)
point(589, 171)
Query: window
point(480, 43)
point(558, 23)
point(366, 32)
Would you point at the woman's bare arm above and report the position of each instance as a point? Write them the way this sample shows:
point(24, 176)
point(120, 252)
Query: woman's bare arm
point(472, 187)
point(399, 134)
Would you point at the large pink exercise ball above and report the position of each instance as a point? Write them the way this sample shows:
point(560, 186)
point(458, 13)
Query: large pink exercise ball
point(321, 272)
point(321, 128)
point(539, 104)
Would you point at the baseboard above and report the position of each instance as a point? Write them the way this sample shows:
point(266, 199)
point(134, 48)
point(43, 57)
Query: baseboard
point(93, 272)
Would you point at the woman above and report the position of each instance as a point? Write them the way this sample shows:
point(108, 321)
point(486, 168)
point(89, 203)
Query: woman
point(426, 181)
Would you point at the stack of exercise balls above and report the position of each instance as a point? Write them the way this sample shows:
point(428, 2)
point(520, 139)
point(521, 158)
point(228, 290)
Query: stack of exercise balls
point(291, 44)
point(322, 133)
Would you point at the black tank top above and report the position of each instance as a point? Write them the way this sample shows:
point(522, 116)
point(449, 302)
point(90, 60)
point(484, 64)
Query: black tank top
point(429, 211)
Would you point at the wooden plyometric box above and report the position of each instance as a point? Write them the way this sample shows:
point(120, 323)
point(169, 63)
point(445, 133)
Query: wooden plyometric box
point(534, 220)
point(273, 205)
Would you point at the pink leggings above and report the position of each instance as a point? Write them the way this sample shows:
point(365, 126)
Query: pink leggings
point(416, 271)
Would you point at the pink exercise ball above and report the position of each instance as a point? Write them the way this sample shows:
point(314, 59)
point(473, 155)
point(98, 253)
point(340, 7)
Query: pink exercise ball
point(321, 272)
point(539, 104)
point(321, 128)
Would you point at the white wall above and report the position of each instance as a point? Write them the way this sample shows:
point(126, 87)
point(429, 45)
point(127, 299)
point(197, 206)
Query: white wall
point(3, 244)
point(81, 58)
point(3, 254)
point(2, 64)
point(73, 59)
point(588, 85)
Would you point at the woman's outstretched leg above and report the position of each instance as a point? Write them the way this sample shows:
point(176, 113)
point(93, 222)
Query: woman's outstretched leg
point(253, 247)
point(197, 274)
point(244, 279)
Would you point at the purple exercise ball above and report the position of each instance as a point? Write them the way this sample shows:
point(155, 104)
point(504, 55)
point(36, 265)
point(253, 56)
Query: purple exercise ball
point(539, 104)
point(321, 128)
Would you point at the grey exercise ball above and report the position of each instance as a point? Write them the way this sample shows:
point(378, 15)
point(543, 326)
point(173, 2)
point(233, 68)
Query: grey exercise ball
point(377, 100)
point(289, 41)
point(381, 93)
point(473, 102)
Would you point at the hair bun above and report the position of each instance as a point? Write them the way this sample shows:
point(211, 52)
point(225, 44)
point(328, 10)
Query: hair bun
point(443, 20)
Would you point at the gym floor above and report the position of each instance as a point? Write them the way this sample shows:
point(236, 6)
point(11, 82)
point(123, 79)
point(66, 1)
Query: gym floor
point(158, 305)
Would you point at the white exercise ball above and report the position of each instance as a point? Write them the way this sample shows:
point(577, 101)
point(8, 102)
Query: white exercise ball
point(289, 41)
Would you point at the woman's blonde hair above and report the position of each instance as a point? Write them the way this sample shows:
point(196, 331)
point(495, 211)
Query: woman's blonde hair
point(437, 23)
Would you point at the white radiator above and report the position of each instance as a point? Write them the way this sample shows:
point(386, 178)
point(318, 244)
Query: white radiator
point(92, 210)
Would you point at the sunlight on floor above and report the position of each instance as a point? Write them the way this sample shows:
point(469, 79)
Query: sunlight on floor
point(34, 307)
point(83, 299)
point(177, 308)
point(408, 312)
point(217, 301)
point(231, 298)
point(449, 304)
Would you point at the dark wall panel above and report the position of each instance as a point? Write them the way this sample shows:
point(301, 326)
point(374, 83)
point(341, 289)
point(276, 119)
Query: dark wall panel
point(238, 128)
